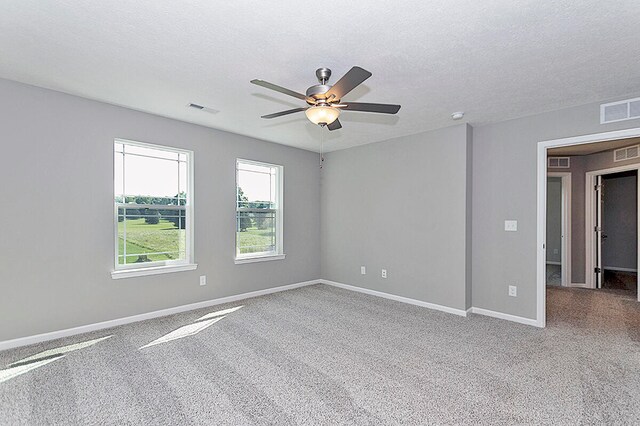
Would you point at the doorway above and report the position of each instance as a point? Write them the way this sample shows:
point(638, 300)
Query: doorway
point(558, 233)
point(543, 147)
point(614, 217)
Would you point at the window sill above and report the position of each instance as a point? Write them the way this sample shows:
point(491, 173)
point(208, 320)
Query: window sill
point(241, 260)
point(155, 270)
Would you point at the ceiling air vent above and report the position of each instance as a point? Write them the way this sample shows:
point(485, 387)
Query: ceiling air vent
point(619, 111)
point(627, 153)
point(558, 162)
point(203, 108)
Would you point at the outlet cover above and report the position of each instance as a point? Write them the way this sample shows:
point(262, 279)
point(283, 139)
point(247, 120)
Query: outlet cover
point(513, 291)
point(511, 225)
point(363, 270)
point(384, 273)
point(203, 280)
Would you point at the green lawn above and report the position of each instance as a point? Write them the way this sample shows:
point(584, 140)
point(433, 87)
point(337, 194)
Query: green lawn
point(144, 238)
point(165, 238)
point(255, 240)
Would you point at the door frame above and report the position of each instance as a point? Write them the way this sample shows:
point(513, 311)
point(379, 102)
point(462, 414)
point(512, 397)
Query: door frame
point(565, 245)
point(543, 146)
point(590, 219)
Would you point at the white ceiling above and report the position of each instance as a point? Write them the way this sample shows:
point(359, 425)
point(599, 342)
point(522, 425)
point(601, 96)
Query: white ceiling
point(493, 59)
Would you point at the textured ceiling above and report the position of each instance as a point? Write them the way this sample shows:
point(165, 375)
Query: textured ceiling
point(493, 59)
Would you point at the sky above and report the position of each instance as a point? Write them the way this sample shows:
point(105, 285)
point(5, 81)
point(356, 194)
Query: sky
point(256, 186)
point(166, 177)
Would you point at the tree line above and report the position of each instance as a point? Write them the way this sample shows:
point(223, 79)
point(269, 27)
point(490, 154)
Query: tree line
point(152, 216)
point(248, 220)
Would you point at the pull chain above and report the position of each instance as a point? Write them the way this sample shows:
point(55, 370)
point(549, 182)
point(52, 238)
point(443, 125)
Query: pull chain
point(321, 146)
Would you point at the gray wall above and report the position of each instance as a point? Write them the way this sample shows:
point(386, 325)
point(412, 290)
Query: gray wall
point(620, 221)
point(504, 171)
point(57, 241)
point(400, 205)
point(554, 219)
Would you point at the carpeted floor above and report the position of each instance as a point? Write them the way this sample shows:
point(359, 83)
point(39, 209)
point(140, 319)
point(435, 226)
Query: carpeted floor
point(620, 280)
point(322, 355)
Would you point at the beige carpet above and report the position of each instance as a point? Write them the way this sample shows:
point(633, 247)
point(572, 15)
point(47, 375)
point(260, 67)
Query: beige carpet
point(322, 355)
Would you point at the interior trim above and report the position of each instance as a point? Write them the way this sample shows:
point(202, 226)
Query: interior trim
point(455, 311)
point(241, 260)
point(579, 285)
point(508, 317)
point(154, 270)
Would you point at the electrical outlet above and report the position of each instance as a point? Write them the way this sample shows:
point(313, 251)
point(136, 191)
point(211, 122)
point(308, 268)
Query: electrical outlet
point(555, 251)
point(513, 291)
point(363, 270)
point(384, 273)
point(203, 280)
point(511, 225)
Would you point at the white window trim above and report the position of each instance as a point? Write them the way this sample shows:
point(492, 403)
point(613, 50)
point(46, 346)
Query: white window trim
point(263, 257)
point(254, 259)
point(154, 268)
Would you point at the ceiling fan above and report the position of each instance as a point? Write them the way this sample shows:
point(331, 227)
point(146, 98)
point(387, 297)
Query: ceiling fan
point(324, 100)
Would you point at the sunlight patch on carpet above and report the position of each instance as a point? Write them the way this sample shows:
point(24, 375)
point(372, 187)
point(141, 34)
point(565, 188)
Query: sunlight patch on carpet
point(184, 331)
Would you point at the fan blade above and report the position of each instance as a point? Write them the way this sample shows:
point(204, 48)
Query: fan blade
point(335, 125)
point(279, 89)
point(365, 107)
point(281, 113)
point(348, 82)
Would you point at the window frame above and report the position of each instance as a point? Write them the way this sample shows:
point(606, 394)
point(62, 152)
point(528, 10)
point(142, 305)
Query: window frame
point(278, 211)
point(164, 266)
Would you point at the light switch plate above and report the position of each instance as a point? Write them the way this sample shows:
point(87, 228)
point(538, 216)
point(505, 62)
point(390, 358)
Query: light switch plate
point(363, 270)
point(511, 225)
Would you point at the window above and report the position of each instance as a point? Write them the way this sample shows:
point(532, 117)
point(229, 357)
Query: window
point(258, 211)
point(153, 209)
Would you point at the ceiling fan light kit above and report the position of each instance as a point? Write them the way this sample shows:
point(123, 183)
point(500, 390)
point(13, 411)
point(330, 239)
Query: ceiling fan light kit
point(324, 100)
point(322, 114)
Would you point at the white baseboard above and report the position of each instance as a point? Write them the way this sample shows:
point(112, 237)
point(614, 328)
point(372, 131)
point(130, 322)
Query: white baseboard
point(460, 312)
point(579, 285)
point(615, 268)
point(554, 263)
point(402, 299)
point(508, 317)
point(30, 340)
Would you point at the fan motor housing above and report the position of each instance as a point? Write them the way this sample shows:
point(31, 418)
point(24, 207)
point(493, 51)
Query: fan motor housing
point(318, 91)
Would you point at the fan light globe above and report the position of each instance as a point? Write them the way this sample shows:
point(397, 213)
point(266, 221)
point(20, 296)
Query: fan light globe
point(322, 114)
